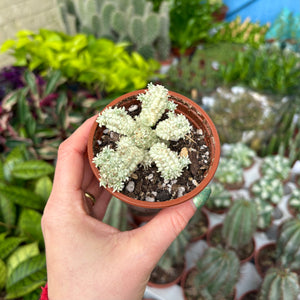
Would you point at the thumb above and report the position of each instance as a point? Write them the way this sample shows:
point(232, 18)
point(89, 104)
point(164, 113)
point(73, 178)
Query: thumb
point(162, 230)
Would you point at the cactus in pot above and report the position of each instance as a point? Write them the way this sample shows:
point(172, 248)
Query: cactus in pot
point(279, 284)
point(139, 142)
point(276, 166)
point(214, 276)
point(288, 245)
point(170, 267)
point(294, 202)
point(264, 211)
point(240, 152)
point(239, 227)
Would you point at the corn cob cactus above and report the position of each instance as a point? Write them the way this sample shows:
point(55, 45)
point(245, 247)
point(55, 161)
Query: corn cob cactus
point(116, 214)
point(240, 224)
point(217, 273)
point(279, 284)
point(288, 245)
point(140, 143)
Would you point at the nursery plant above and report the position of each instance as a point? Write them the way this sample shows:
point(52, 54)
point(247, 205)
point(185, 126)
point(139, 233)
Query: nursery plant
point(239, 226)
point(170, 267)
point(276, 166)
point(138, 142)
point(264, 211)
point(130, 21)
point(268, 189)
point(279, 283)
point(214, 276)
point(100, 64)
point(220, 199)
point(288, 245)
point(230, 173)
point(25, 185)
point(294, 202)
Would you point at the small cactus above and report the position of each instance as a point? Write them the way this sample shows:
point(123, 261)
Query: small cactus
point(219, 199)
point(279, 284)
point(116, 215)
point(276, 166)
point(217, 272)
point(240, 224)
point(268, 189)
point(142, 144)
point(264, 211)
point(294, 200)
point(288, 245)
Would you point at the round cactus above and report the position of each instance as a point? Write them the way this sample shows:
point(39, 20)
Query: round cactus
point(240, 224)
point(279, 284)
point(217, 272)
point(288, 245)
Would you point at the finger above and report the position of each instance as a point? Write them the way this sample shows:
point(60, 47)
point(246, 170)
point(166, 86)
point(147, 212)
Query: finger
point(70, 163)
point(161, 231)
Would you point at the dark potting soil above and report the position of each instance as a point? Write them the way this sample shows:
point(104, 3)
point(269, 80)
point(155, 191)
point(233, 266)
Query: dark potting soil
point(198, 225)
point(251, 296)
point(161, 276)
point(266, 258)
point(146, 184)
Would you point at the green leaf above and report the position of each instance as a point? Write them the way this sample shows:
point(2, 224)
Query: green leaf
point(52, 82)
point(22, 197)
point(43, 187)
point(30, 224)
point(3, 274)
point(31, 82)
point(21, 254)
point(8, 245)
point(32, 169)
point(28, 276)
point(8, 211)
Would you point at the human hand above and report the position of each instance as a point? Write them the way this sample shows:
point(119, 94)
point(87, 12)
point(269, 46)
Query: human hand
point(90, 260)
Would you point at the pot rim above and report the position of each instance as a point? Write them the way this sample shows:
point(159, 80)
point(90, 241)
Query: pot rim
point(214, 138)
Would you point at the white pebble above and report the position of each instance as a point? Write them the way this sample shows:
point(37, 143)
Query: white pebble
point(130, 186)
point(133, 108)
point(181, 190)
point(150, 199)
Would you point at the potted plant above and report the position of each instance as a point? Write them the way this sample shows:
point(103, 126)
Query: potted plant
point(265, 258)
point(294, 202)
point(264, 211)
point(170, 268)
point(213, 277)
point(237, 230)
point(279, 284)
point(230, 174)
point(153, 138)
point(268, 189)
point(242, 154)
point(220, 199)
point(250, 295)
point(288, 245)
point(276, 166)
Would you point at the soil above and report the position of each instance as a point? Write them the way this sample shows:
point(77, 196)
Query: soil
point(191, 292)
point(161, 276)
point(216, 239)
point(253, 295)
point(147, 184)
point(198, 226)
point(266, 259)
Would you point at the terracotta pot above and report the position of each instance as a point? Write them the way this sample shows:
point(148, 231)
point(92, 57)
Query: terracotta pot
point(197, 117)
point(267, 247)
point(217, 227)
point(199, 236)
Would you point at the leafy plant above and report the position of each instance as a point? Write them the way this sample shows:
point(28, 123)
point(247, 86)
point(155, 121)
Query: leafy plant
point(279, 284)
point(25, 185)
point(99, 64)
point(130, 21)
point(268, 69)
point(246, 32)
point(140, 143)
point(268, 189)
point(216, 274)
point(190, 22)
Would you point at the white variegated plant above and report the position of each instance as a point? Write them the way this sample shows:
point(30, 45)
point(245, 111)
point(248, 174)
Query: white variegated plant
point(220, 198)
point(294, 200)
point(264, 211)
point(143, 139)
point(268, 189)
point(229, 171)
point(276, 166)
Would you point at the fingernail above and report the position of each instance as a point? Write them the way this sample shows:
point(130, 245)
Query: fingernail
point(201, 198)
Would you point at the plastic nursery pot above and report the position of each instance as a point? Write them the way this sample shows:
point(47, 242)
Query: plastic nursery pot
point(197, 117)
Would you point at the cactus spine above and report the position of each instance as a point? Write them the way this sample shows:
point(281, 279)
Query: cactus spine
point(240, 224)
point(116, 214)
point(217, 272)
point(279, 284)
point(288, 245)
point(123, 20)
